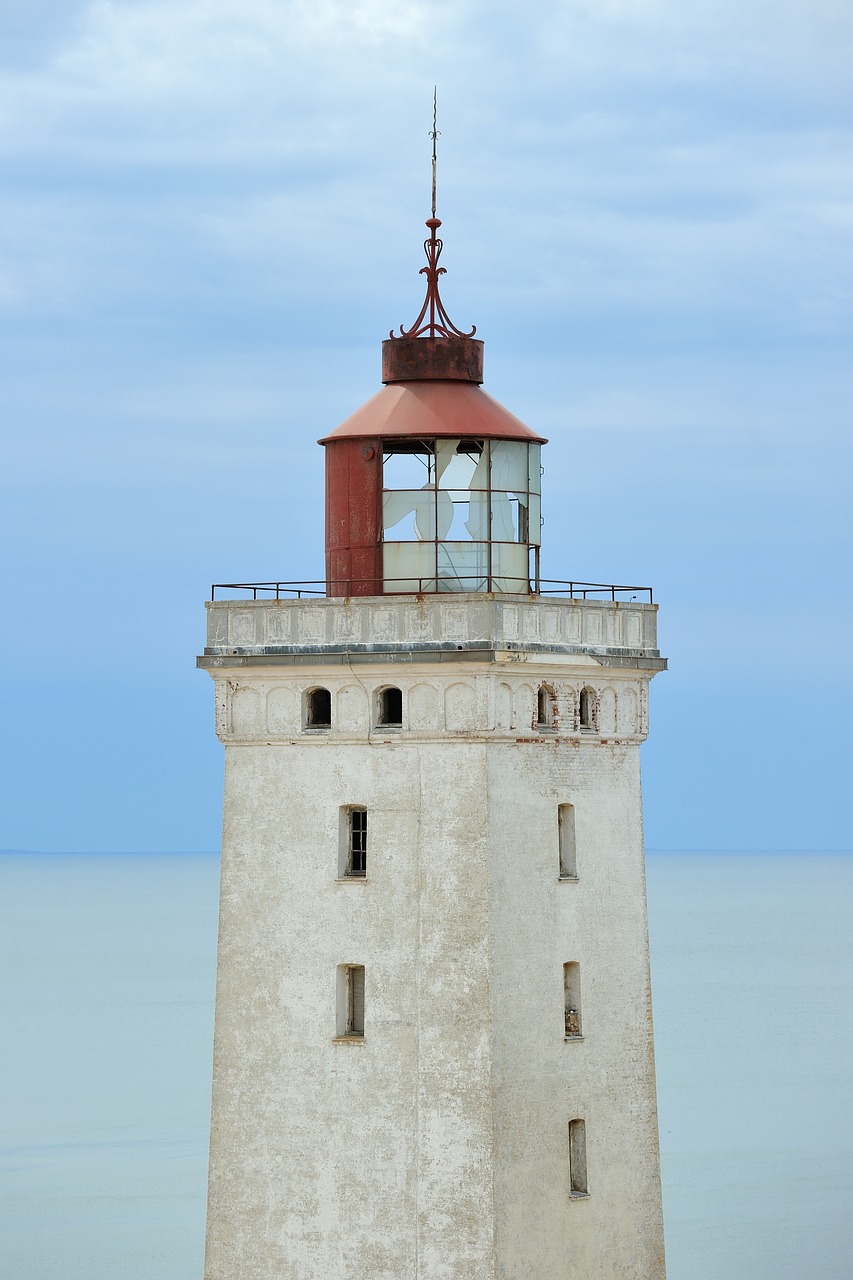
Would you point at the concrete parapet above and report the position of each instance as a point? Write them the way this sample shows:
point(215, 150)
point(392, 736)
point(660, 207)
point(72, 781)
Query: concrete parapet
point(615, 631)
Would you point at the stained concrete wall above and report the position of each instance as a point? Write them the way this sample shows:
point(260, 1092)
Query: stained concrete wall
point(436, 1147)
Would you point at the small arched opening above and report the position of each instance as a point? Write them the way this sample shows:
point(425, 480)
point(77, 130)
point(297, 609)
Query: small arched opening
point(545, 705)
point(587, 714)
point(390, 707)
point(318, 709)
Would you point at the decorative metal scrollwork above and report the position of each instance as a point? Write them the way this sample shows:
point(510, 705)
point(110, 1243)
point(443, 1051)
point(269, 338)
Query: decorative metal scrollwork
point(432, 318)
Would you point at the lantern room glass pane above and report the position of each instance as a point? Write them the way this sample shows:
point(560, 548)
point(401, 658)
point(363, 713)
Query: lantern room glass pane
point(510, 567)
point(509, 464)
point(534, 521)
point(534, 483)
point(408, 566)
point(463, 566)
point(505, 517)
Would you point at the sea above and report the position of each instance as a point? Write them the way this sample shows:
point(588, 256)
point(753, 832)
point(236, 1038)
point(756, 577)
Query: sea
point(107, 965)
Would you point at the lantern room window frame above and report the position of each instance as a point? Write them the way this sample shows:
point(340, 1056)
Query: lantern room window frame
point(426, 559)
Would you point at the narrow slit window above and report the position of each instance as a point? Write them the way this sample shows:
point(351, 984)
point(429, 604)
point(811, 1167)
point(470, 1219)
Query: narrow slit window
point(356, 853)
point(350, 1001)
point(587, 709)
point(572, 1000)
point(353, 852)
point(568, 845)
point(577, 1158)
point(355, 1000)
point(318, 709)
point(391, 707)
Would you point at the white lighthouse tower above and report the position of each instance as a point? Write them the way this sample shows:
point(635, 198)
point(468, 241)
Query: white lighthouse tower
point(433, 1055)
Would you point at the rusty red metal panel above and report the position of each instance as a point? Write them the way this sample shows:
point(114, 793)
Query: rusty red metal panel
point(353, 517)
point(453, 359)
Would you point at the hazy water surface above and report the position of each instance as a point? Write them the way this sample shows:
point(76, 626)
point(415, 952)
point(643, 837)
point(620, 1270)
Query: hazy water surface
point(108, 968)
point(752, 976)
point(106, 1007)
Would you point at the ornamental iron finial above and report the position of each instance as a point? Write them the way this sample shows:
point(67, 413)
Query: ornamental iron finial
point(432, 318)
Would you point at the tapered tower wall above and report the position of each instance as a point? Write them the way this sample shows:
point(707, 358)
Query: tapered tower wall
point(436, 1144)
point(542, 1080)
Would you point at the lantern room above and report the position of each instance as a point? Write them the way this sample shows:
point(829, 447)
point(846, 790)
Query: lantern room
point(432, 486)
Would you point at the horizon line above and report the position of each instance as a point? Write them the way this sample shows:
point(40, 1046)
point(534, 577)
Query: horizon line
point(216, 853)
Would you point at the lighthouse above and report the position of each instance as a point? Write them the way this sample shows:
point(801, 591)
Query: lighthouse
point(433, 1048)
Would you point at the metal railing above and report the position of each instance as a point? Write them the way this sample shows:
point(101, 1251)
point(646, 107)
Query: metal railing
point(429, 587)
point(596, 591)
point(271, 590)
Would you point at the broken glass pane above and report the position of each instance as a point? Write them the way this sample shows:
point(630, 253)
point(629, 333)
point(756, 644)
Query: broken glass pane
point(408, 465)
point(459, 461)
point(408, 514)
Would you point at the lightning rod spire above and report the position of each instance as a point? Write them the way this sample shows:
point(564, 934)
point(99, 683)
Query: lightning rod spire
point(433, 320)
point(434, 136)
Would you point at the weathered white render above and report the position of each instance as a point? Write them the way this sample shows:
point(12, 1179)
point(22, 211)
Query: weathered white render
point(435, 1145)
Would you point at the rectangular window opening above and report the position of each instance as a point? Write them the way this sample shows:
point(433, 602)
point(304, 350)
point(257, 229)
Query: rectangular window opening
point(357, 860)
point(352, 844)
point(355, 1000)
point(568, 847)
point(350, 1001)
point(577, 1158)
point(545, 708)
point(572, 1000)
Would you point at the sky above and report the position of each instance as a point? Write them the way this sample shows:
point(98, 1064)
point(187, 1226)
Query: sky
point(212, 213)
